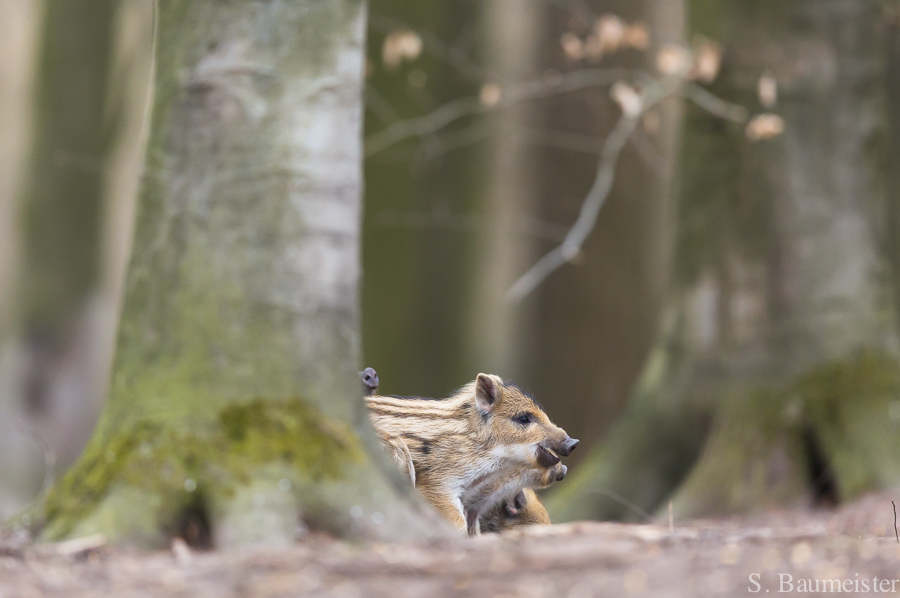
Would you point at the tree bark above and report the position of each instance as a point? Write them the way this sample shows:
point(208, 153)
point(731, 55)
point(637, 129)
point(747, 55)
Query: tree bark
point(235, 411)
point(780, 323)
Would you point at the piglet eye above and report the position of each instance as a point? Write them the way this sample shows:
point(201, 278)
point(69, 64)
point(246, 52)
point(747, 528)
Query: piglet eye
point(523, 419)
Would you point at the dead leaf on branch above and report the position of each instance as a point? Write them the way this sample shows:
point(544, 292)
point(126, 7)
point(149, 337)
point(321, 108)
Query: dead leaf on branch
point(608, 35)
point(399, 46)
point(629, 100)
point(636, 36)
point(572, 46)
point(707, 61)
point(764, 126)
point(673, 59)
point(767, 89)
point(490, 95)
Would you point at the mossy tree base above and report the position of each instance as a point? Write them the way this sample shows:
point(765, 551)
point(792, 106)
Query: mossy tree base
point(824, 437)
point(261, 472)
point(828, 436)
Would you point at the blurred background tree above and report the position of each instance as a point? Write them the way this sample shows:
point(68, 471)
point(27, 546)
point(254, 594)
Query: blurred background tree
point(780, 323)
point(74, 76)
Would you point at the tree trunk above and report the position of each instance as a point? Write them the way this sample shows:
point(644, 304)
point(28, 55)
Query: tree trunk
point(18, 36)
point(235, 411)
point(892, 88)
point(780, 322)
point(496, 330)
point(56, 328)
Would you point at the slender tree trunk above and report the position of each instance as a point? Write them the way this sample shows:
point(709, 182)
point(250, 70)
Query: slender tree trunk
point(235, 412)
point(18, 36)
point(780, 321)
point(54, 330)
point(512, 31)
point(418, 246)
point(892, 89)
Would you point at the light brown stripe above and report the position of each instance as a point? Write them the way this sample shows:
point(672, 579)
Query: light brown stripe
point(378, 410)
point(399, 411)
point(411, 403)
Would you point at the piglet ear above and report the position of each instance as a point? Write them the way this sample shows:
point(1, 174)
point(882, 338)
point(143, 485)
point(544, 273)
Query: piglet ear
point(487, 391)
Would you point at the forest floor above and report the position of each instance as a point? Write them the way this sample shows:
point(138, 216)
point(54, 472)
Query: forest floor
point(772, 552)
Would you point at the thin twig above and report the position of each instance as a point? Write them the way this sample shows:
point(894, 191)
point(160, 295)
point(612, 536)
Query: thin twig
point(424, 125)
point(671, 519)
point(624, 502)
point(512, 95)
point(896, 535)
point(380, 107)
point(715, 105)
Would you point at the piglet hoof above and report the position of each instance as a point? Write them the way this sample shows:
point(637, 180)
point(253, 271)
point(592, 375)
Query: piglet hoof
point(561, 474)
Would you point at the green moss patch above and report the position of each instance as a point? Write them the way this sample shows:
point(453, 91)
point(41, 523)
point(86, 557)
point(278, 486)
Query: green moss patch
point(180, 464)
point(839, 420)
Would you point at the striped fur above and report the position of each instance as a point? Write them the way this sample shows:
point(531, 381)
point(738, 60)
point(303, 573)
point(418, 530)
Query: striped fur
point(470, 452)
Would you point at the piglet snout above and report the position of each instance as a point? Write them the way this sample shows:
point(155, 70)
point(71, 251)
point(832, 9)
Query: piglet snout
point(566, 447)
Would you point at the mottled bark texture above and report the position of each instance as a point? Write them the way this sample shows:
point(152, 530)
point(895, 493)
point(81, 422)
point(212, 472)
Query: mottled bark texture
point(780, 324)
point(235, 412)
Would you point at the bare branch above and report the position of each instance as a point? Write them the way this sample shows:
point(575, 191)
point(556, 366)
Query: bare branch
point(715, 105)
point(596, 197)
point(477, 131)
point(424, 125)
point(380, 107)
point(622, 501)
point(653, 91)
point(512, 95)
